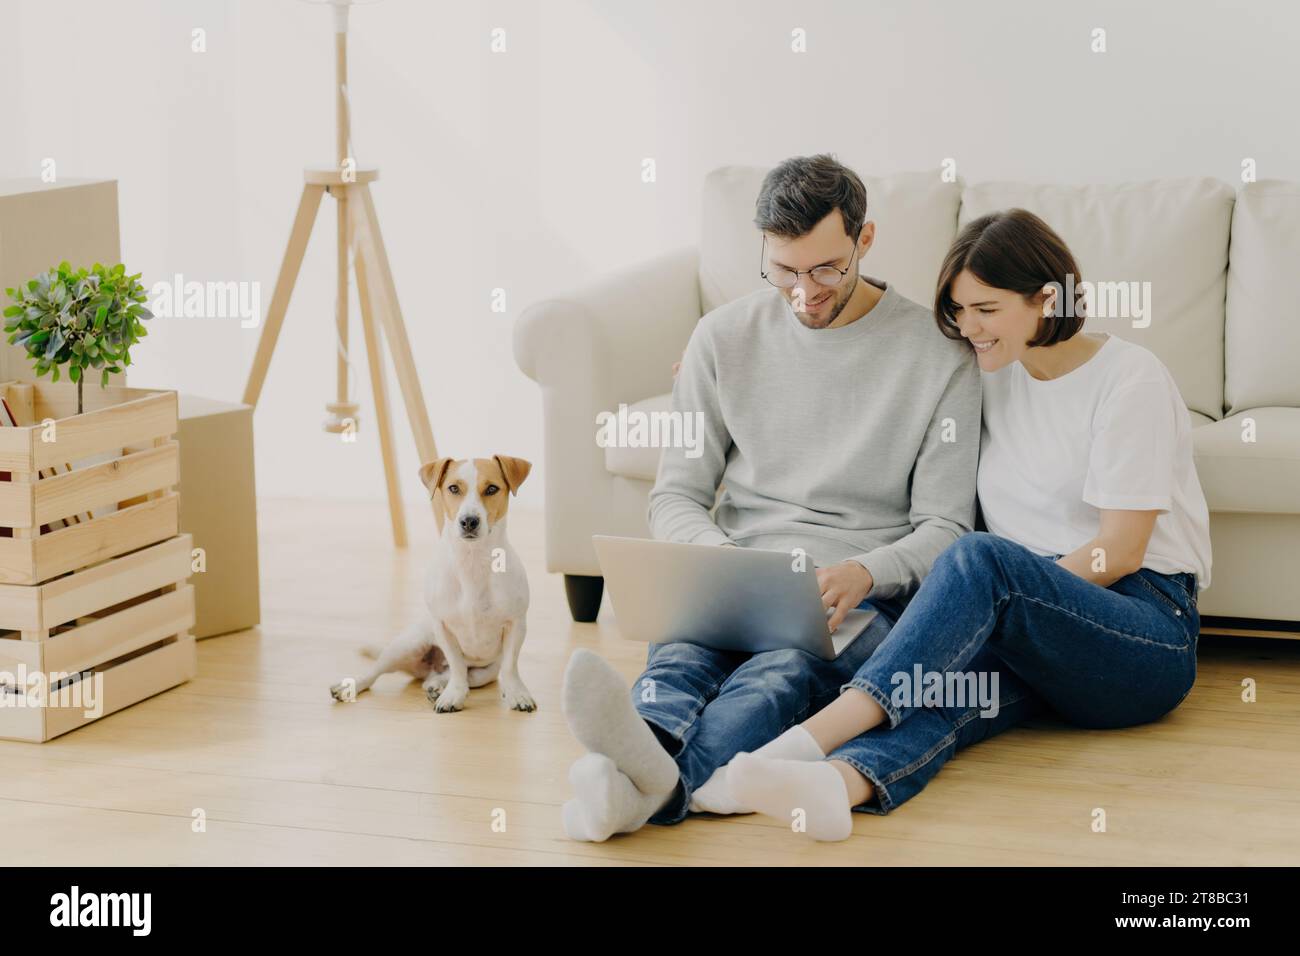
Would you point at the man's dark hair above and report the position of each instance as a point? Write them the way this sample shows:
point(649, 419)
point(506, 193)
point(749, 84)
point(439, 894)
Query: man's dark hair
point(803, 191)
point(1013, 250)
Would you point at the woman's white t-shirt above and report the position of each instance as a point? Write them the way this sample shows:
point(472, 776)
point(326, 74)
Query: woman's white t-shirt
point(1112, 434)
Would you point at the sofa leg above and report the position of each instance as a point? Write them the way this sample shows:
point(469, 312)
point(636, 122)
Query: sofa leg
point(584, 593)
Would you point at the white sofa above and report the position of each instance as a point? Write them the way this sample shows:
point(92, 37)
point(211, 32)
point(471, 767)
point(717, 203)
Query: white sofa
point(1224, 319)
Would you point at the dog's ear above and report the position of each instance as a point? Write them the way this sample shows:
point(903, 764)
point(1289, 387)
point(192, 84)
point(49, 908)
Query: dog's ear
point(432, 473)
point(515, 471)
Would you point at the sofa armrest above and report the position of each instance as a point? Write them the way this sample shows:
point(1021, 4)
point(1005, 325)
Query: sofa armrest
point(612, 341)
point(632, 325)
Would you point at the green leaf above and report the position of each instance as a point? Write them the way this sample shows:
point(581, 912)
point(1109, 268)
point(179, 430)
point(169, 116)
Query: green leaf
point(70, 319)
point(103, 379)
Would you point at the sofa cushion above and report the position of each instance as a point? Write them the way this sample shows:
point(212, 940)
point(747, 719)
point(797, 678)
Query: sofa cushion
point(1262, 331)
point(638, 462)
point(915, 216)
point(1260, 476)
point(1170, 233)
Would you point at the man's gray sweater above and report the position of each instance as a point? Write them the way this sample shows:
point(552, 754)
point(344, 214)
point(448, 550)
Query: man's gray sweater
point(858, 442)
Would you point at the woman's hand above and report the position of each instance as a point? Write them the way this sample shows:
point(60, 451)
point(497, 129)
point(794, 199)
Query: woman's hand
point(1118, 550)
point(843, 587)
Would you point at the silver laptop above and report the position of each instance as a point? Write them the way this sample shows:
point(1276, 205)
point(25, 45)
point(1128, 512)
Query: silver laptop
point(734, 599)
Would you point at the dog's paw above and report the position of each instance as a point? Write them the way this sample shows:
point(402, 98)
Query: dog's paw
point(515, 696)
point(345, 692)
point(451, 699)
point(434, 686)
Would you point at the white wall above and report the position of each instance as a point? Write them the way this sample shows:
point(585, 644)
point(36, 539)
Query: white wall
point(522, 170)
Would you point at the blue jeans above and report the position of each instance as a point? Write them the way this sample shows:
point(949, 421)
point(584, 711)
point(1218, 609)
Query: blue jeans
point(1098, 657)
point(706, 705)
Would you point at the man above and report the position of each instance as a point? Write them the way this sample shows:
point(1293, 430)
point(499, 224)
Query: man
point(839, 421)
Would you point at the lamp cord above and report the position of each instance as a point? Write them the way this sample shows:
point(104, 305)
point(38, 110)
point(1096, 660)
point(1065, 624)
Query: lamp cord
point(347, 278)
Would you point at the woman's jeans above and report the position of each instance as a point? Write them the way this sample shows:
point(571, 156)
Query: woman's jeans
point(997, 633)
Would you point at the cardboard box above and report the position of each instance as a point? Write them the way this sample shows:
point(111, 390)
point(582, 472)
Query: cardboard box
point(42, 224)
point(219, 509)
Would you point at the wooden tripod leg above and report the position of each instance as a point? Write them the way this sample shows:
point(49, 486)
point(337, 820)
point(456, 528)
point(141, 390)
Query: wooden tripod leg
point(375, 357)
point(390, 316)
point(289, 266)
point(341, 316)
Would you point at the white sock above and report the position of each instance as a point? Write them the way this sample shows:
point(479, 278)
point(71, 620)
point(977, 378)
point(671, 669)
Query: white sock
point(780, 787)
point(598, 707)
point(715, 795)
point(606, 801)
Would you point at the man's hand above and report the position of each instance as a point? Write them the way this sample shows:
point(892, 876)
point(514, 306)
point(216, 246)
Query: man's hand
point(677, 366)
point(843, 587)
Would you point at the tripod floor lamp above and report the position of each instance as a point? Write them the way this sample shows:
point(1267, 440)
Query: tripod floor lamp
point(381, 317)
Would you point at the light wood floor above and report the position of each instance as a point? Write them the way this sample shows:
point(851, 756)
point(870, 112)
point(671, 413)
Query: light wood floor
point(285, 775)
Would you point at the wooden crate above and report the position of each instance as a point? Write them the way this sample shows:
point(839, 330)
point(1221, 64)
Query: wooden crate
point(127, 621)
point(124, 500)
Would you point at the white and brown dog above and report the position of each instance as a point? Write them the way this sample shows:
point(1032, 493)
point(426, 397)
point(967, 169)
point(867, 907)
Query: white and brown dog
point(475, 588)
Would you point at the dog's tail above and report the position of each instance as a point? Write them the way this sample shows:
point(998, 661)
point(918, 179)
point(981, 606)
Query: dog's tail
point(371, 650)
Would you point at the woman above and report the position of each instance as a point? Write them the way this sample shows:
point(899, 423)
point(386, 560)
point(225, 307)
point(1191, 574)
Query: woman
point(1082, 596)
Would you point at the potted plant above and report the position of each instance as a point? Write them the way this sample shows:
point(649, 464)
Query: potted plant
point(81, 319)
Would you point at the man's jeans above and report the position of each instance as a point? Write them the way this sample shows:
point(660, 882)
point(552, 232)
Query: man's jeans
point(1098, 657)
point(706, 705)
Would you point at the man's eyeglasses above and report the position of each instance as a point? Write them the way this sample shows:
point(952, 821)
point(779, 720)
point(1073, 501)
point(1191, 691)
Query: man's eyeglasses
point(784, 278)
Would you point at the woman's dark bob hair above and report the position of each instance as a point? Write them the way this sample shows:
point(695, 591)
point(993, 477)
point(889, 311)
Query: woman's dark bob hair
point(1016, 251)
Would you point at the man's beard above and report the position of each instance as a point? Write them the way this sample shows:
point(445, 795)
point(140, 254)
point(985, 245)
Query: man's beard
point(834, 312)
